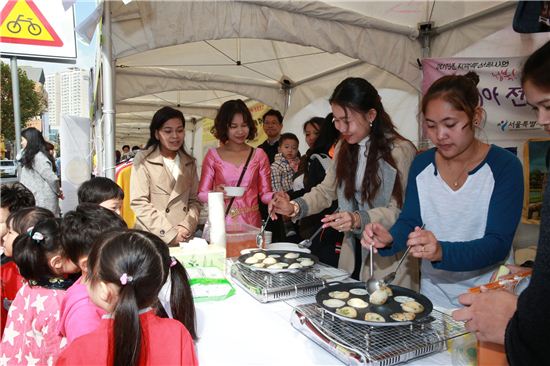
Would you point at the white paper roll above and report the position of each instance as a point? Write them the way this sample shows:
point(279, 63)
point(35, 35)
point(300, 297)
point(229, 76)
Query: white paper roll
point(216, 217)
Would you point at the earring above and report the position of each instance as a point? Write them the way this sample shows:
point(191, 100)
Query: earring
point(370, 123)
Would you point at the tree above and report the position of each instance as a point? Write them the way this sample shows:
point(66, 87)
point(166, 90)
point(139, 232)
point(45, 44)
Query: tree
point(32, 103)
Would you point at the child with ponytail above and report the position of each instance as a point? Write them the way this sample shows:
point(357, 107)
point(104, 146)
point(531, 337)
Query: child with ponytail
point(30, 336)
point(126, 273)
point(17, 222)
point(175, 296)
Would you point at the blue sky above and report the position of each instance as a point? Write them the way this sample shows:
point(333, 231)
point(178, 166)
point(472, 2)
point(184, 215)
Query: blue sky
point(85, 53)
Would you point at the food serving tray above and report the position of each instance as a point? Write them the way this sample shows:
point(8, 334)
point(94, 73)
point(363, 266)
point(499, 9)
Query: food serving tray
point(391, 306)
point(270, 258)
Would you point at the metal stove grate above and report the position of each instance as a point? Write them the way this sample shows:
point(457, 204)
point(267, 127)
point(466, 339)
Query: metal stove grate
point(266, 287)
point(360, 344)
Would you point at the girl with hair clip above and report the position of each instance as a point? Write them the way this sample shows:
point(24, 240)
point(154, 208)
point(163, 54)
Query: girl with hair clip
point(521, 323)
point(164, 181)
point(467, 194)
point(235, 163)
point(38, 171)
point(17, 222)
point(126, 274)
point(30, 335)
point(367, 178)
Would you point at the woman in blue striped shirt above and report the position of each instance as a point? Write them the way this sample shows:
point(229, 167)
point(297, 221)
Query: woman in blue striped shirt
point(467, 193)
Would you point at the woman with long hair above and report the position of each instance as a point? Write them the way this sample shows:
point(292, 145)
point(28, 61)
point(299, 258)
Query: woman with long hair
point(164, 181)
point(368, 178)
point(38, 170)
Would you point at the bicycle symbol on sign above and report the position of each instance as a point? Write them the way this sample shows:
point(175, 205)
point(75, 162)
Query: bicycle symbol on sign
point(15, 27)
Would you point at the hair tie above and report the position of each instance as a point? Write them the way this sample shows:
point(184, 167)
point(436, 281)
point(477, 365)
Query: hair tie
point(173, 262)
point(37, 236)
point(29, 231)
point(124, 279)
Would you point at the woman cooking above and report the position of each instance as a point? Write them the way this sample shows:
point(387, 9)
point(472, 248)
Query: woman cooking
point(164, 181)
point(468, 194)
point(368, 178)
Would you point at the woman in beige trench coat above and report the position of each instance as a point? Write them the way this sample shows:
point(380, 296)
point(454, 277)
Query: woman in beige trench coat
point(164, 181)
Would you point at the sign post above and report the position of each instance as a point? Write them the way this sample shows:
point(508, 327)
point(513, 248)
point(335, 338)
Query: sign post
point(40, 30)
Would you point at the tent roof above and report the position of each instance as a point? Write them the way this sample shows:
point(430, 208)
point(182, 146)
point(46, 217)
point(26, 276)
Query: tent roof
point(196, 54)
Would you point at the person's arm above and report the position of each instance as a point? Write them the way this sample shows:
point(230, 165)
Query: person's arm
point(140, 200)
point(208, 174)
point(527, 331)
point(502, 219)
point(264, 176)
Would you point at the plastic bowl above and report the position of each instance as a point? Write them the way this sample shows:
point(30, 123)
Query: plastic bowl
point(234, 191)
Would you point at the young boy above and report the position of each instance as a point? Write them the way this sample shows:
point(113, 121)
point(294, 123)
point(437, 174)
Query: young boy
point(283, 169)
point(286, 163)
point(13, 197)
point(79, 230)
point(103, 192)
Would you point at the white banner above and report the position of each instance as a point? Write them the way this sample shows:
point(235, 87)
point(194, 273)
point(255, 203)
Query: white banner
point(75, 142)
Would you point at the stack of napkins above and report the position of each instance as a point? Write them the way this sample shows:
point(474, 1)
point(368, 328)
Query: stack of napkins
point(209, 284)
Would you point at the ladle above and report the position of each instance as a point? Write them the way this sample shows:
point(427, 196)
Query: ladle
point(373, 284)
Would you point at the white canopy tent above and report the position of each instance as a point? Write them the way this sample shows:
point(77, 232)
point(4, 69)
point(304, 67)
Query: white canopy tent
point(194, 55)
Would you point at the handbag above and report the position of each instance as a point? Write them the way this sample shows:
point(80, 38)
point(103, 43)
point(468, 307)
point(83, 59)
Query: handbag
point(240, 180)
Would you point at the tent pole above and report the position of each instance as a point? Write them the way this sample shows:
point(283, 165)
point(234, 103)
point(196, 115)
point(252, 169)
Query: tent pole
point(108, 94)
point(477, 16)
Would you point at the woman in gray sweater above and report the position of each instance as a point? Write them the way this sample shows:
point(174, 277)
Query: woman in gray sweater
point(38, 171)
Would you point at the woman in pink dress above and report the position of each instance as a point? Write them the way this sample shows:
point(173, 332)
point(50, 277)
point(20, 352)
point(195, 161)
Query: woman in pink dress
point(223, 166)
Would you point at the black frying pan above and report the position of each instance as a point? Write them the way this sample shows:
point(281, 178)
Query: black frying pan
point(390, 307)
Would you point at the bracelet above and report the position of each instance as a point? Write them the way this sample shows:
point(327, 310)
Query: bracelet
point(356, 222)
point(296, 209)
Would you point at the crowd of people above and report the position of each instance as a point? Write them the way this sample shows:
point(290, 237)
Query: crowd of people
point(85, 289)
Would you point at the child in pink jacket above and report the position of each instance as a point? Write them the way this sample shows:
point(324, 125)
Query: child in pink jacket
point(80, 229)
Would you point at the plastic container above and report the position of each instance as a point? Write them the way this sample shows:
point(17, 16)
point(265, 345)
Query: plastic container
point(238, 237)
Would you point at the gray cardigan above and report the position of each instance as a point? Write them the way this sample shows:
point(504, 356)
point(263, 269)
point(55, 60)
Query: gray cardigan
point(384, 210)
point(42, 182)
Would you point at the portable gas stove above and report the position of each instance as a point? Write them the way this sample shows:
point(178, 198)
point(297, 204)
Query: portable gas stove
point(360, 344)
point(267, 287)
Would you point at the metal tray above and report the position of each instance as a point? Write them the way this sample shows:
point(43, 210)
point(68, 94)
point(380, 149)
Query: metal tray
point(390, 307)
point(281, 253)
